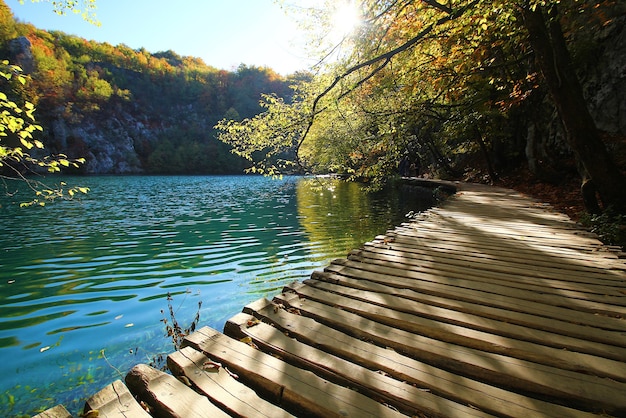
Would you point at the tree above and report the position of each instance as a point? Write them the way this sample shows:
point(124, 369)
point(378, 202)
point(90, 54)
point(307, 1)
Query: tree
point(450, 77)
point(18, 124)
point(553, 59)
point(85, 8)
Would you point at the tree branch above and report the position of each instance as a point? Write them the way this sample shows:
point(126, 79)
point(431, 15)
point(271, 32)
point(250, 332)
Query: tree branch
point(385, 57)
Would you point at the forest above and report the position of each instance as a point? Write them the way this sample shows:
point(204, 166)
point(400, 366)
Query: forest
point(517, 93)
point(130, 111)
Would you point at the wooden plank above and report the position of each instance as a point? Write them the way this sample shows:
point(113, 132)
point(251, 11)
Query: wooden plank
point(568, 309)
point(547, 331)
point(577, 390)
point(400, 395)
point(477, 241)
point(609, 286)
point(610, 296)
point(543, 266)
point(114, 401)
point(503, 211)
point(411, 233)
point(297, 391)
point(446, 287)
point(510, 217)
point(528, 251)
point(58, 411)
point(530, 214)
point(466, 329)
point(220, 386)
point(417, 230)
point(429, 379)
point(560, 256)
point(481, 228)
point(167, 396)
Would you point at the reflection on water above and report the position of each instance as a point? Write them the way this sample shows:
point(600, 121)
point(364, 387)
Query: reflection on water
point(82, 286)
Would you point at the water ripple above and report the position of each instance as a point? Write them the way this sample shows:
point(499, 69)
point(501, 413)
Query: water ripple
point(79, 278)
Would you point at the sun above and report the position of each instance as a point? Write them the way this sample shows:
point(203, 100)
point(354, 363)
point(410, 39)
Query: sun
point(346, 17)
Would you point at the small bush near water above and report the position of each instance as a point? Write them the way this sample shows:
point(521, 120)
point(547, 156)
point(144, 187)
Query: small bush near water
point(174, 330)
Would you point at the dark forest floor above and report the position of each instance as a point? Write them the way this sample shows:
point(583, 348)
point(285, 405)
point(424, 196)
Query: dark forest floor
point(564, 197)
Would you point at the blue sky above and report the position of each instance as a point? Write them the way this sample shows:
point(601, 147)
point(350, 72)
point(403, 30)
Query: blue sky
point(224, 33)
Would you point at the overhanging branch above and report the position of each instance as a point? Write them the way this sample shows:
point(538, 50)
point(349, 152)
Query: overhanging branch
point(385, 58)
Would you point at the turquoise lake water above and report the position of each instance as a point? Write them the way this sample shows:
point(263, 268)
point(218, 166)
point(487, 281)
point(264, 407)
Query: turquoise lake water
point(82, 285)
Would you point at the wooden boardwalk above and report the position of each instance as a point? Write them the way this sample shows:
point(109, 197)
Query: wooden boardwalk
point(490, 305)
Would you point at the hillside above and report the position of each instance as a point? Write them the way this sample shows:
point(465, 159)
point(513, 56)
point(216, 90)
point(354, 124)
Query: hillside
point(132, 111)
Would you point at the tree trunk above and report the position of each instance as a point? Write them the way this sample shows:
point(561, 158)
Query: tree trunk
point(483, 148)
point(555, 64)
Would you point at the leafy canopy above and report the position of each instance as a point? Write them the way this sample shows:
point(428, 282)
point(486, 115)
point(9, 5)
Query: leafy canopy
point(432, 81)
point(85, 8)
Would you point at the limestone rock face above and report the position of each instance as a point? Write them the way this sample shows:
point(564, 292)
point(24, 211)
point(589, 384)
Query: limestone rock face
point(108, 147)
point(21, 54)
point(604, 83)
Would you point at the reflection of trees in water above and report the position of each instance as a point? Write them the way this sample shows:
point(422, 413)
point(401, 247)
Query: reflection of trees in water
point(337, 215)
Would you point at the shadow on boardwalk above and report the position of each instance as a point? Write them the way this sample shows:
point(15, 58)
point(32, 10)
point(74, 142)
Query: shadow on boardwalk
point(490, 305)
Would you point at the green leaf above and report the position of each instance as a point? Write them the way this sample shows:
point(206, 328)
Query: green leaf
point(26, 143)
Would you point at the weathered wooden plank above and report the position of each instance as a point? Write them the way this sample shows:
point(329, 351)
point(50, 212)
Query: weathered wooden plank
point(419, 231)
point(219, 386)
point(114, 401)
point(547, 267)
point(564, 308)
point(577, 390)
point(58, 411)
point(167, 396)
point(608, 299)
point(481, 228)
point(465, 329)
point(510, 217)
point(600, 291)
point(400, 395)
point(494, 212)
point(460, 328)
point(297, 391)
point(416, 239)
point(446, 287)
point(426, 377)
point(615, 268)
point(530, 214)
point(534, 328)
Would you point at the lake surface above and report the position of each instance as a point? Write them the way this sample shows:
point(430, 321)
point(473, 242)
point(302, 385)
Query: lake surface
point(83, 286)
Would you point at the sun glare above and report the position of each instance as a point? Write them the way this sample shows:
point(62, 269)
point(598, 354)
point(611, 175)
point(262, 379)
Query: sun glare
point(346, 18)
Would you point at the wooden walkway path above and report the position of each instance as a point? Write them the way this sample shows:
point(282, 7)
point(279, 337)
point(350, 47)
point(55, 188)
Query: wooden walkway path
point(490, 305)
